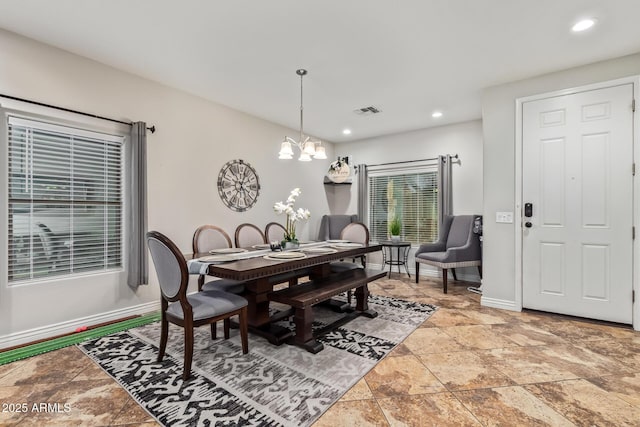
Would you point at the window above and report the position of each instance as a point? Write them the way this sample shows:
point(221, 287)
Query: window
point(65, 200)
point(409, 193)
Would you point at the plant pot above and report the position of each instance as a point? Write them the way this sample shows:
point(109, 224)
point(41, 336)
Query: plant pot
point(395, 238)
point(290, 245)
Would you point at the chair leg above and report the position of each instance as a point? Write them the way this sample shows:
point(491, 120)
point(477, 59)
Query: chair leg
point(164, 334)
point(227, 325)
point(455, 276)
point(188, 351)
point(244, 330)
point(200, 282)
point(480, 271)
point(444, 280)
point(214, 333)
point(417, 271)
point(349, 293)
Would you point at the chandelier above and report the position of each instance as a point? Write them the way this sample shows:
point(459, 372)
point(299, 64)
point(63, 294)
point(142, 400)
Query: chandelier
point(307, 146)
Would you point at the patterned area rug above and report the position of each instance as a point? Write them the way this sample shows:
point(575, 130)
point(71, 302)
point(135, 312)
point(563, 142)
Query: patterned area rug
point(270, 386)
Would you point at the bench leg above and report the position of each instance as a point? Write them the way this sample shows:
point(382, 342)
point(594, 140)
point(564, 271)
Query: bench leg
point(303, 319)
point(362, 303)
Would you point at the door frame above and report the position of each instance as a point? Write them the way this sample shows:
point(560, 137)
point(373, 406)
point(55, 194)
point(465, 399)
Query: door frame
point(518, 214)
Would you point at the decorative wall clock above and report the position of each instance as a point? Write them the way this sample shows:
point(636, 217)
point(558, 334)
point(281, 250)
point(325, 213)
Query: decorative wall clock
point(238, 185)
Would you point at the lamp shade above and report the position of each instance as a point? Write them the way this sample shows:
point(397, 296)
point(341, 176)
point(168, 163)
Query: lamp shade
point(286, 152)
point(320, 152)
point(304, 157)
point(309, 147)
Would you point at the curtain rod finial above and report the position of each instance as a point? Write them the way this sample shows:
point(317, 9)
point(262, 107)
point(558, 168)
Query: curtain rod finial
point(152, 129)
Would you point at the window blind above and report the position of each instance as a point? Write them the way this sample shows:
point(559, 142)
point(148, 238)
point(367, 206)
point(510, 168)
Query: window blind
point(411, 195)
point(65, 200)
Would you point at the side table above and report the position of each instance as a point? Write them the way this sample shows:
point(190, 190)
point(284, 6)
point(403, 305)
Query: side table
point(402, 253)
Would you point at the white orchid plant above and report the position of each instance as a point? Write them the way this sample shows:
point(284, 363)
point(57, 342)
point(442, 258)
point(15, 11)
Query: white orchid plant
point(293, 215)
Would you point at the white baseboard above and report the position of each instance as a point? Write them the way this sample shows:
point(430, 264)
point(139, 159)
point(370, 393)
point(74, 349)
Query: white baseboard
point(499, 303)
point(426, 272)
point(61, 328)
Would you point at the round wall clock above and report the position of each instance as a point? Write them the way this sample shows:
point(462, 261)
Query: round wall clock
point(238, 185)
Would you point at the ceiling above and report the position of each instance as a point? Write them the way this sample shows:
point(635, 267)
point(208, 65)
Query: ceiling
point(407, 58)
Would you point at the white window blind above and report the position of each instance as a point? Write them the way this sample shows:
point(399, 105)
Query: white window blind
point(411, 194)
point(65, 200)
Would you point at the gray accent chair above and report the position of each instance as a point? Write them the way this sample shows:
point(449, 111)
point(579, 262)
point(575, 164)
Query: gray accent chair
point(457, 246)
point(208, 237)
point(192, 310)
point(331, 226)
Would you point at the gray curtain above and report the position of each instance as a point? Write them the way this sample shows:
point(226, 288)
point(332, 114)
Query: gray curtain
point(136, 218)
point(445, 198)
point(363, 185)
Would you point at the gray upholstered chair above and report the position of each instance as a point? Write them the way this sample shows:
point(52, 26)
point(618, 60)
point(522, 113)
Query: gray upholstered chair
point(248, 235)
point(208, 237)
point(457, 246)
point(192, 310)
point(332, 225)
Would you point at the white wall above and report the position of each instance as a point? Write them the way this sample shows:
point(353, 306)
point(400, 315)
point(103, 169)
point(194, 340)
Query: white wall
point(194, 139)
point(498, 118)
point(464, 139)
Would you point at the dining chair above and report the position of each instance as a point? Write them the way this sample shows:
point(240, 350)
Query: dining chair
point(457, 246)
point(355, 232)
point(332, 225)
point(248, 235)
point(206, 238)
point(274, 231)
point(190, 310)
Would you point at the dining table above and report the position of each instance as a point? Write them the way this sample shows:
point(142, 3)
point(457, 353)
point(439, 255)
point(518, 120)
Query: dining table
point(260, 269)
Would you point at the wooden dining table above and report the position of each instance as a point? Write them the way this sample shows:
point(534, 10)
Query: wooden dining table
point(261, 275)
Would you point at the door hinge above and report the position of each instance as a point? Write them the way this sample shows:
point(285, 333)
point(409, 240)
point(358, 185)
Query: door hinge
point(633, 169)
point(633, 233)
point(633, 105)
point(633, 296)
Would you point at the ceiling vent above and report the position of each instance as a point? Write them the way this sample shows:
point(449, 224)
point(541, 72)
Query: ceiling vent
point(366, 111)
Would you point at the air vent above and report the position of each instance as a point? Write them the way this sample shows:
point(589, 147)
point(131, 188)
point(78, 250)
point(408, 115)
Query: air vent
point(366, 111)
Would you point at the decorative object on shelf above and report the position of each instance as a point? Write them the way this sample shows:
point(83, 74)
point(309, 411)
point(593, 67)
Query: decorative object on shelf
point(339, 170)
point(395, 226)
point(293, 216)
point(238, 185)
point(308, 147)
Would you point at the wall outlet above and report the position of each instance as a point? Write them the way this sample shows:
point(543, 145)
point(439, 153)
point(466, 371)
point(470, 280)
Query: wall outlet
point(504, 217)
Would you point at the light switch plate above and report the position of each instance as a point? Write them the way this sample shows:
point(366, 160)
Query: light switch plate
point(504, 217)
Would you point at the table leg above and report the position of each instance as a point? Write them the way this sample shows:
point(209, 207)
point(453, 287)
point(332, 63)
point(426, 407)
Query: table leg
point(406, 256)
point(303, 319)
point(258, 318)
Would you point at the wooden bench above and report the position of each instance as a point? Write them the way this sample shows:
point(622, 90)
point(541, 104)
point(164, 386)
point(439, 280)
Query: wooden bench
point(304, 296)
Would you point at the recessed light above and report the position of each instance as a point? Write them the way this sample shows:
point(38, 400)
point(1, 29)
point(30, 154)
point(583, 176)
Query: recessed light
point(436, 114)
point(346, 131)
point(585, 24)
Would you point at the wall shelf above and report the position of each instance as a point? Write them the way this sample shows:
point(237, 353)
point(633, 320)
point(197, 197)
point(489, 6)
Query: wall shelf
point(327, 181)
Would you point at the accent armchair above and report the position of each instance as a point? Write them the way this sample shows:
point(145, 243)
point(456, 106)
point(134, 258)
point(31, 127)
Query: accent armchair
point(331, 226)
point(457, 246)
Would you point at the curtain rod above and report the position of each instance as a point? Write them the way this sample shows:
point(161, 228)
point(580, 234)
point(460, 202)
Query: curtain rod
point(455, 156)
point(152, 129)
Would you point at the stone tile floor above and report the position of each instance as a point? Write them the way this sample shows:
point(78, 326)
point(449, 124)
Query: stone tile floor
point(466, 365)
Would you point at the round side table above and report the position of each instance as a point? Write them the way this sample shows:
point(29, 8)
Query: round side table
point(402, 253)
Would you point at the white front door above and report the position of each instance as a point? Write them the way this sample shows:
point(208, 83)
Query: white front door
point(577, 253)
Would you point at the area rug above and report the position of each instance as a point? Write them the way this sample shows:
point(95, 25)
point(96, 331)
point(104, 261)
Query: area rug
point(270, 386)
